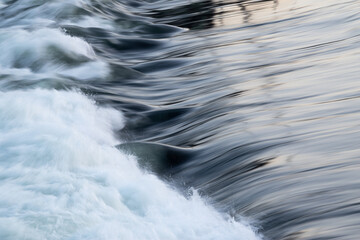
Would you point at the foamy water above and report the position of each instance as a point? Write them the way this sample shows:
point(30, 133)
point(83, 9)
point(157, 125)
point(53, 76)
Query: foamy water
point(61, 176)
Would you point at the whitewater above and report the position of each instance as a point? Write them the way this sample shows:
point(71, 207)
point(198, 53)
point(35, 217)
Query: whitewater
point(61, 176)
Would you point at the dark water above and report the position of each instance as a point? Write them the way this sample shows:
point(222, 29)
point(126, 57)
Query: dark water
point(254, 103)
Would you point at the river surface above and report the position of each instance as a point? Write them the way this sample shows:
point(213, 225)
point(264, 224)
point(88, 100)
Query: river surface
point(169, 119)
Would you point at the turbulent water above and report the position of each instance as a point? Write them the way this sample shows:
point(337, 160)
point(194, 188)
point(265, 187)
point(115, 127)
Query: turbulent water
point(169, 119)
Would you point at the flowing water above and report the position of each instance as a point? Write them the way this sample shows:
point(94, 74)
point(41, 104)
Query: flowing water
point(169, 119)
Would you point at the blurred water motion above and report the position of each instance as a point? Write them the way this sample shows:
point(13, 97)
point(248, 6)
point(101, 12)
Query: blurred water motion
point(254, 103)
point(269, 105)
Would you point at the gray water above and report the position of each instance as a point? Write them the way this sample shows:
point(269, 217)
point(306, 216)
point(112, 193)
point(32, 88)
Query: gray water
point(254, 104)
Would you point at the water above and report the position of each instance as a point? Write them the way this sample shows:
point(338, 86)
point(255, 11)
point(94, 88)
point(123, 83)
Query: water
point(179, 119)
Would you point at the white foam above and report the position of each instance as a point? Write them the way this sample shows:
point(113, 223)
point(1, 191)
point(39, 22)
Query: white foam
point(60, 175)
point(47, 51)
point(61, 178)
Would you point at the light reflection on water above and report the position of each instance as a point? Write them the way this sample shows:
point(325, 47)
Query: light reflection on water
point(284, 147)
point(260, 97)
